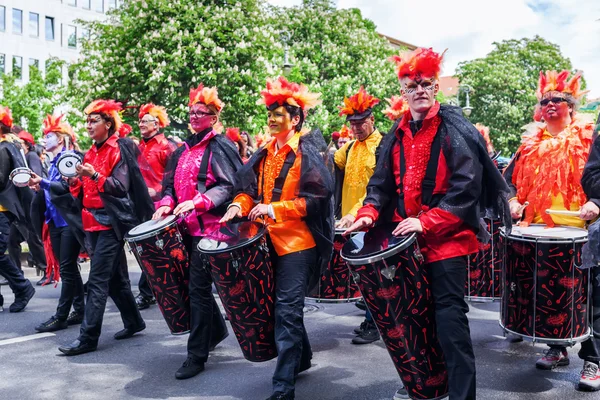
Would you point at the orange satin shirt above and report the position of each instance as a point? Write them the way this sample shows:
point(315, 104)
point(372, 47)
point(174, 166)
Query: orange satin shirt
point(288, 232)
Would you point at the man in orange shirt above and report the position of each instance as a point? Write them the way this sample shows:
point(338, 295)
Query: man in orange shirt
point(287, 184)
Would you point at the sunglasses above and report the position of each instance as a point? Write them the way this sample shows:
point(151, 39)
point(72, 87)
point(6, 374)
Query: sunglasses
point(554, 100)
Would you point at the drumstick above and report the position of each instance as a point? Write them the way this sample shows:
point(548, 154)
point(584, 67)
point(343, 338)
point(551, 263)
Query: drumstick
point(24, 159)
point(67, 142)
point(563, 212)
point(523, 207)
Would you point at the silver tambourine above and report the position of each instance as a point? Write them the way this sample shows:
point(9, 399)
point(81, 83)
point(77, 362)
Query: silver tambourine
point(67, 163)
point(20, 176)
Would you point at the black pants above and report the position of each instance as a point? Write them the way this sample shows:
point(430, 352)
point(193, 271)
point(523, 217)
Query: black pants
point(448, 290)
point(590, 349)
point(108, 277)
point(13, 274)
point(207, 324)
point(293, 347)
point(20, 233)
point(66, 250)
point(144, 286)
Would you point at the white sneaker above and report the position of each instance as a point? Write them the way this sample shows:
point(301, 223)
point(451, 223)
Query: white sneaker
point(401, 394)
point(590, 377)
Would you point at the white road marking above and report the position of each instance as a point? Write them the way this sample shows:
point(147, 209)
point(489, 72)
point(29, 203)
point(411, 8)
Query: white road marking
point(26, 338)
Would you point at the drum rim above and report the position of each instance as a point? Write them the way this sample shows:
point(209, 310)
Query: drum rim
point(537, 339)
point(381, 255)
point(17, 171)
point(67, 155)
point(129, 238)
point(261, 233)
point(532, 239)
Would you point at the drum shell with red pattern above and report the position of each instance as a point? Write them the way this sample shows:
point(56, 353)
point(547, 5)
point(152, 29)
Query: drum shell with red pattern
point(164, 259)
point(336, 284)
point(484, 268)
point(545, 296)
point(396, 289)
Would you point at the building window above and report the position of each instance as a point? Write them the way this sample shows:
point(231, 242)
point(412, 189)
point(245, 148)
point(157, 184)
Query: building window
point(86, 4)
point(17, 21)
point(49, 28)
point(85, 33)
point(2, 64)
point(2, 18)
point(71, 36)
point(112, 4)
point(17, 69)
point(99, 5)
point(33, 64)
point(34, 24)
point(72, 3)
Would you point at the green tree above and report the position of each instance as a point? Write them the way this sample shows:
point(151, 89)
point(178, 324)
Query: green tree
point(504, 84)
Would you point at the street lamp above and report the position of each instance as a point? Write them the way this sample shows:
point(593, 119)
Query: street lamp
point(287, 65)
point(467, 109)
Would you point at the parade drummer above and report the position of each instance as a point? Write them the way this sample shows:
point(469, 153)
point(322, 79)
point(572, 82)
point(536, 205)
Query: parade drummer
point(114, 199)
point(442, 206)
point(547, 168)
point(287, 185)
point(198, 186)
point(355, 163)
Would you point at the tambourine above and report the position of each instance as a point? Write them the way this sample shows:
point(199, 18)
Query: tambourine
point(20, 176)
point(67, 163)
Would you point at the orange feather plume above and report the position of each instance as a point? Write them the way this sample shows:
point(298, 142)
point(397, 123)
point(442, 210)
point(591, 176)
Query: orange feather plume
point(421, 61)
point(397, 108)
point(359, 103)
point(282, 92)
point(108, 107)
point(207, 96)
point(6, 116)
point(233, 134)
point(158, 112)
point(485, 132)
point(55, 123)
point(345, 132)
point(554, 81)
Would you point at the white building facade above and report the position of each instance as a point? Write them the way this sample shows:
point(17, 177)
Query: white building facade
point(34, 31)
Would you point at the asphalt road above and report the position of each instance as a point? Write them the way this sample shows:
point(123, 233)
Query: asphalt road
point(142, 367)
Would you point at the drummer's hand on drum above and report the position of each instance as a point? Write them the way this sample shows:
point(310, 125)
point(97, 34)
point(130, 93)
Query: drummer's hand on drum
point(158, 214)
point(408, 226)
point(258, 211)
point(86, 169)
point(232, 212)
point(34, 180)
point(184, 207)
point(516, 209)
point(589, 211)
point(359, 225)
point(345, 222)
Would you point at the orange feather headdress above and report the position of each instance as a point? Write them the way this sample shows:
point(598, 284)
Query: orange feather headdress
point(485, 132)
point(419, 62)
point(554, 81)
point(207, 96)
point(281, 92)
point(55, 123)
point(6, 116)
point(397, 107)
point(233, 134)
point(345, 132)
point(158, 112)
point(108, 107)
point(358, 106)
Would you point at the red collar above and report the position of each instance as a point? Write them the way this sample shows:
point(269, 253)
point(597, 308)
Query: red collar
point(405, 123)
point(158, 138)
point(111, 141)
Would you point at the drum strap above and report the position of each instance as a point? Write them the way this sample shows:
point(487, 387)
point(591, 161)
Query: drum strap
point(203, 173)
point(430, 174)
point(280, 180)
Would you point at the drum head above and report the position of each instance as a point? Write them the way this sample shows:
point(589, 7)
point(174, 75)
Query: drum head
point(66, 164)
point(151, 226)
point(377, 243)
point(543, 232)
point(20, 176)
point(231, 236)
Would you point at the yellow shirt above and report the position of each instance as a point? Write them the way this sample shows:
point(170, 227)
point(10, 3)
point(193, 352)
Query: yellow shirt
point(359, 167)
point(558, 204)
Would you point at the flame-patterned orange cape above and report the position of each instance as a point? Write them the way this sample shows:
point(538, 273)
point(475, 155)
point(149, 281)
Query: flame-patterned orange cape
point(547, 166)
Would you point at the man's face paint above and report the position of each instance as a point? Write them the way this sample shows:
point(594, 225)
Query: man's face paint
point(51, 141)
point(201, 117)
point(555, 107)
point(419, 92)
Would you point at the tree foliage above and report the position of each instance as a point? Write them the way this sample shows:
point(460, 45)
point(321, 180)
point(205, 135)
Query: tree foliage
point(503, 86)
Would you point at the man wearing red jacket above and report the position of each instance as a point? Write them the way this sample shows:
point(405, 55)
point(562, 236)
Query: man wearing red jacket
point(434, 177)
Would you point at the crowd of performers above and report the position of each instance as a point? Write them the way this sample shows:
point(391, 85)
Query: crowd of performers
point(426, 185)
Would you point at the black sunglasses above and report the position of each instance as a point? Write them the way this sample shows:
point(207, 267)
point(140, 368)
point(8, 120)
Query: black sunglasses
point(555, 100)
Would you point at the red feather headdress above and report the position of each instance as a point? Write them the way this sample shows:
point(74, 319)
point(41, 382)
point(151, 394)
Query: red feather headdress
point(359, 103)
point(233, 134)
point(158, 112)
point(282, 92)
point(397, 107)
point(6, 116)
point(554, 81)
point(345, 132)
point(424, 62)
point(108, 107)
point(125, 130)
point(207, 96)
point(55, 123)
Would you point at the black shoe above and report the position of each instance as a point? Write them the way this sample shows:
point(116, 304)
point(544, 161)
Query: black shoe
point(74, 318)
point(281, 396)
point(369, 335)
point(144, 302)
point(22, 299)
point(214, 343)
point(77, 347)
point(52, 325)
point(43, 280)
point(361, 304)
point(128, 332)
point(361, 328)
point(305, 365)
point(189, 369)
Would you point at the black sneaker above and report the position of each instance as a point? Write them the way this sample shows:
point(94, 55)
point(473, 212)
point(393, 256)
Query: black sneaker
point(553, 358)
point(22, 299)
point(369, 335)
point(189, 369)
point(144, 302)
point(74, 318)
point(361, 328)
point(360, 304)
point(52, 325)
point(281, 396)
point(401, 394)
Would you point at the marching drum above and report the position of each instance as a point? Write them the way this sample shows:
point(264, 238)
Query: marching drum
point(159, 250)
point(66, 164)
point(243, 275)
point(20, 176)
point(545, 296)
point(336, 284)
point(395, 285)
point(484, 268)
